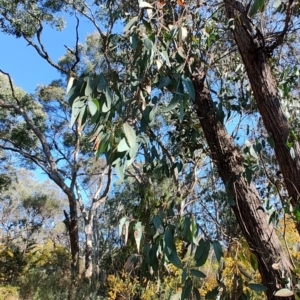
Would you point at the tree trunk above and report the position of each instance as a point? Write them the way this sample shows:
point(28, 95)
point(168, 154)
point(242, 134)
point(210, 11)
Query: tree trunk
point(262, 239)
point(256, 60)
point(72, 226)
point(73, 233)
point(89, 246)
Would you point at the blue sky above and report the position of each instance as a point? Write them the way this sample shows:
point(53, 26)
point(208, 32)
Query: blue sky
point(23, 63)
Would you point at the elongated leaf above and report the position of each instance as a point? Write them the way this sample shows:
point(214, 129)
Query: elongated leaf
point(130, 23)
point(253, 262)
point(120, 169)
point(165, 56)
point(200, 249)
point(88, 88)
point(108, 99)
point(138, 232)
point(189, 86)
point(284, 293)
point(256, 6)
point(198, 273)
point(93, 106)
point(172, 103)
point(70, 84)
point(187, 289)
point(130, 135)
point(153, 257)
point(218, 250)
point(121, 224)
point(158, 224)
point(122, 146)
point(212, 294)
point(169, 241)
point(257, 287)
point(183, 275)
point(148, 44)
point(78, 104)
point(174, 259)
point(196, 293)
point(164, 81)
point(126, 230)
point(201, 261)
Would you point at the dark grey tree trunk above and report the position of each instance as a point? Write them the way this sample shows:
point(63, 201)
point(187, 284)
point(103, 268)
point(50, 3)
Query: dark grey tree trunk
point(73, 235)
point(255, 56)
point(262, 239)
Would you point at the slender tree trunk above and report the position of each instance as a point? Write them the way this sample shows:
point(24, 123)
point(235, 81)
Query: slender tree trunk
point(73, 233)
point(252, 48)
point(262, 239)
point(89, 246)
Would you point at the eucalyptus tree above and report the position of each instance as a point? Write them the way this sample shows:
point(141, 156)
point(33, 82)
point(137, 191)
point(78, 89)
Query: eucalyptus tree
point(35, 128)
point(217, 58)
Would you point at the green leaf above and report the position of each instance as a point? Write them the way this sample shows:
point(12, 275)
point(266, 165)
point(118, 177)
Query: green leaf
point(172, 103)
point(249, 174)
point(199, 250)
point(107, 104)
point(130, 135)
point(183, 275)
point(133, 151)
point(138, 232)
point(271, 141)
point(130, 23)
point(165, 56)
point(252, 152)
point(257, 287)
point(253, 262)
point(169, 241)
point(122, 146)
point(187, 289)
point(70, 85)
point(181, 111)
point(153, 257)
point(148, 44)
point(88, 88)
point(212, 294)
point(158, 224)
point(189, 86)
point(186, 228)
point(218, 250)
point(198, 274)
point(174, 259)
point(94, 106)
point(164, 81)
point(202, 260)
point(120, 169)
point(121, 224)
point(78, 104)
point(196, 293)
point(257, 5)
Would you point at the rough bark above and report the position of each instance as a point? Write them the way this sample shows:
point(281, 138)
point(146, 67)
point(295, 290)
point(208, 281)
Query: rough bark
point(261, 237)
point(255, 56)
point(73, 235)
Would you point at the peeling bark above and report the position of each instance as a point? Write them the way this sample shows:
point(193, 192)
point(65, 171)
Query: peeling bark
point(252, 48)
point(262, 239)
